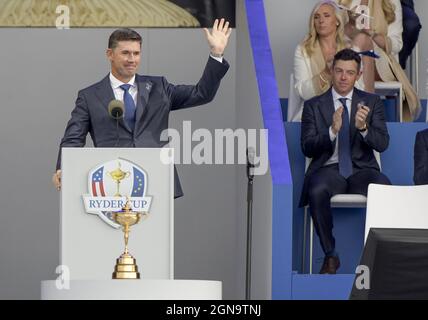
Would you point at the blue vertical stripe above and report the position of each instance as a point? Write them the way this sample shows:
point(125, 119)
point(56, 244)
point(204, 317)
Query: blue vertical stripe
point(282, 190)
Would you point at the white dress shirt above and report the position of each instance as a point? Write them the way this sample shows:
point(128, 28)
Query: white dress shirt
point(219, 59)
point(118, 91)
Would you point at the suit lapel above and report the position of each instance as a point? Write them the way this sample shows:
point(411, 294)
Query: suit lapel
point(327, 107)
point(354, 104)
point(144, 88)
point(104, 93)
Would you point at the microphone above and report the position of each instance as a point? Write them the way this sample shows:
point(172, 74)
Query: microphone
point(250, 160)
point(115, 110)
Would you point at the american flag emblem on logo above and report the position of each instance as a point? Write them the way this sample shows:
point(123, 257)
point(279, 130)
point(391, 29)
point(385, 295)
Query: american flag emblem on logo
point(98, 183)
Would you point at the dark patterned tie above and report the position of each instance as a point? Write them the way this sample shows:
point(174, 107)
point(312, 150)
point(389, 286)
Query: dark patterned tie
point(129, 106)
point(345, 161)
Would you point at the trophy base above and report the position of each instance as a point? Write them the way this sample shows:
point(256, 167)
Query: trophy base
point(126, 268)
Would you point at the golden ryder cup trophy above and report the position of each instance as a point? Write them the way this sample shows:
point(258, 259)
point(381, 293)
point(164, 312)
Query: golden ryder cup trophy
point(118, 175)
point(126, 267)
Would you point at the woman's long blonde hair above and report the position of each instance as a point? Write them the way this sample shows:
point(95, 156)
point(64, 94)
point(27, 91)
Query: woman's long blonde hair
point(387, 6)
point(312, 37)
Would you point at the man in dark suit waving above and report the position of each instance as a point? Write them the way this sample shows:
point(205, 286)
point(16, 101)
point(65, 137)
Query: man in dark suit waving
point(340, 130)
point(147, 99)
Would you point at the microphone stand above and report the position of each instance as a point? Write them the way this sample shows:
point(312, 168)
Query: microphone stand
point(250, 176)
point(117, 132)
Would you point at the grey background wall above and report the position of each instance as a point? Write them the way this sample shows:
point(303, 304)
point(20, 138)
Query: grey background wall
point(288, 24)
point(42, 70)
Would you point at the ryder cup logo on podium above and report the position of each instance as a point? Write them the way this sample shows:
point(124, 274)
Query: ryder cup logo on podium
point(110, 185)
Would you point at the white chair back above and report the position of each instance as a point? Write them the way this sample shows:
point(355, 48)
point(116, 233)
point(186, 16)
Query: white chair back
point(396, 207)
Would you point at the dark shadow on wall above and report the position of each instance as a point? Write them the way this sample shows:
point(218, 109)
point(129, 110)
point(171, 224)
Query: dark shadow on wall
point(206, 11)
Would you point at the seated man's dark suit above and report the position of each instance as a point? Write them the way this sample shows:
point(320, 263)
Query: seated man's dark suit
point(420, 175)
point(155, 99)
point(322, 182)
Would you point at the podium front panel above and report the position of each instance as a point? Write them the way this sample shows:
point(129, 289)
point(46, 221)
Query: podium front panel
point(90, 245)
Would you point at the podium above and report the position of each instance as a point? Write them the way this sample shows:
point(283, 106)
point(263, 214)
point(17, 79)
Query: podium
point(145, 289)
point(97, 182)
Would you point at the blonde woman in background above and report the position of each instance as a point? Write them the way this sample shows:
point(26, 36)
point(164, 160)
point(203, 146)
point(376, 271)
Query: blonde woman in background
point(384, 36)
point(314, 55)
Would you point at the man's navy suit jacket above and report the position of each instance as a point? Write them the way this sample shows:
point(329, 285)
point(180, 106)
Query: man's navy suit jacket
point(315, 141)
point(155, 99)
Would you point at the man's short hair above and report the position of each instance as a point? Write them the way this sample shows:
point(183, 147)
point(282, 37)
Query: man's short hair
point(348, 55)
point(123, 34)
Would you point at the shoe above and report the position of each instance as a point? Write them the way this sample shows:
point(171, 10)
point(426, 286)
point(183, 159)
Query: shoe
point(330, 265)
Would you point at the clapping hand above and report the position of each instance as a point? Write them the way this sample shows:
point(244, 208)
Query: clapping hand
point(361, 116)
point(337, 121)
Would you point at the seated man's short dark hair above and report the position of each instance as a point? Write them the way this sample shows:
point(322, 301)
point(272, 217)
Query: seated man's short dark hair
point(123, 34)
point(348, 55)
